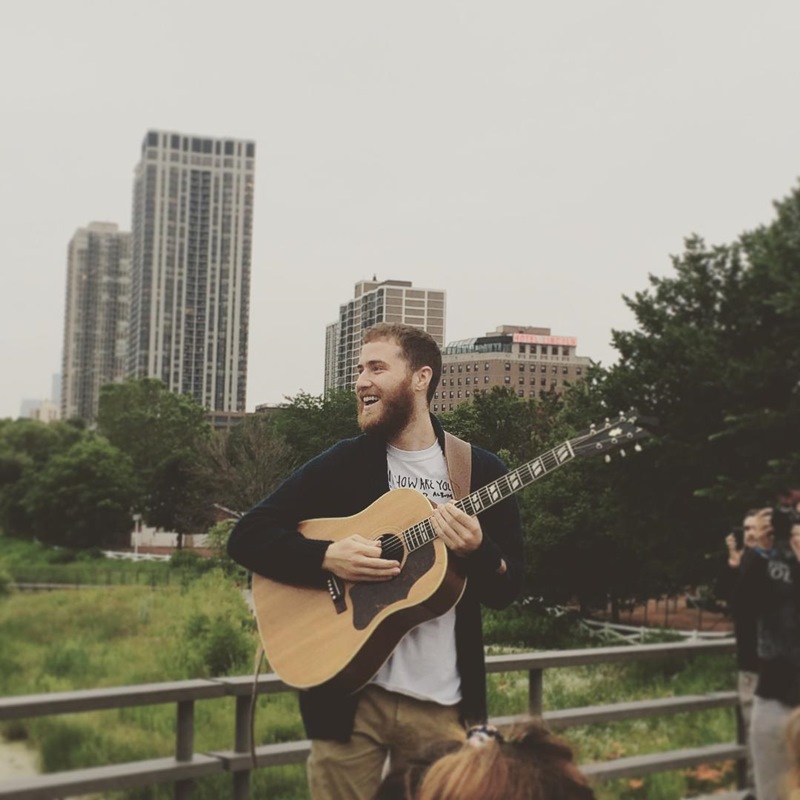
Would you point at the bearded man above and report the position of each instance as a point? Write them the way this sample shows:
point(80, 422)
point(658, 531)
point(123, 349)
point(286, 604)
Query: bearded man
point(434, 681)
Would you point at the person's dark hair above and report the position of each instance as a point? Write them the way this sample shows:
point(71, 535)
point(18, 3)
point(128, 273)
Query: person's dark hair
point(418, 347)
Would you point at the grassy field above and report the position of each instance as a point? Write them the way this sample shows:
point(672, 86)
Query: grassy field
point(199, 626)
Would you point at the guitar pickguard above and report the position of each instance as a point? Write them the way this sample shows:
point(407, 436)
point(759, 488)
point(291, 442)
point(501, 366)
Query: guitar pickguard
point(369, 599)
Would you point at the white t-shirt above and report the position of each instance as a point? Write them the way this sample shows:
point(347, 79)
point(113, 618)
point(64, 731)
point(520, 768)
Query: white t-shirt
point(423, 664)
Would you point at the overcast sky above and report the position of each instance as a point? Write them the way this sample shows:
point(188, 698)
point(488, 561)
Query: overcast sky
point(535, 160)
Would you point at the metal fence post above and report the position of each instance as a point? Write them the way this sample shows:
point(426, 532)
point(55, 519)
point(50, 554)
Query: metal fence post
point(535, 692)
point(184, 745)
point(242, 744)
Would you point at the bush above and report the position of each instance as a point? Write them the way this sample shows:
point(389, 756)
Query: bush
point(190, 561)
point(531, 625)
point(5, 582)
point(61, 555)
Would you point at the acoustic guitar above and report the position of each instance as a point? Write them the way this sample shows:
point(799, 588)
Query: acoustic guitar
point(342, 634)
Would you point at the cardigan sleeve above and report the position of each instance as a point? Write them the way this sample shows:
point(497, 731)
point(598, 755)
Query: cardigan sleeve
point(267, 541)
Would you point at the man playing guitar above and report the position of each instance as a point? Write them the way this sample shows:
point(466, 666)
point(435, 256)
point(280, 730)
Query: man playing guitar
point(434, 680)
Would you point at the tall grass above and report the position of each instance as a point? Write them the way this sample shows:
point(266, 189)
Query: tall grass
point(201, 627)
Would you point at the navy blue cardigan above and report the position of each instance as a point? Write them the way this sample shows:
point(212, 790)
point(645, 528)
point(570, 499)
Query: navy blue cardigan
point(341, 482)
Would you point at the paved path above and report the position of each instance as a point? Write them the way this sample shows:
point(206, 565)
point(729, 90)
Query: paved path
point(16, 760)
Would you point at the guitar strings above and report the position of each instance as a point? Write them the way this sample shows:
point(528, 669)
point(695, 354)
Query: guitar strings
point(423, 532)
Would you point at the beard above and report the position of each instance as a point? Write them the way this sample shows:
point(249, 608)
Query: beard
point(398, 407)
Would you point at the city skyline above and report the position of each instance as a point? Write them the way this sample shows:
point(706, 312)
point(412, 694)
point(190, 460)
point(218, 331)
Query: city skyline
point(534, 163)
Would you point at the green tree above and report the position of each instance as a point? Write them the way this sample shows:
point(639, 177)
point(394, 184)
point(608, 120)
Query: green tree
point(25, 448)
point(160, 431)
point(313, 423)
point(716, 356)
point(238, 466)
point(82, 497)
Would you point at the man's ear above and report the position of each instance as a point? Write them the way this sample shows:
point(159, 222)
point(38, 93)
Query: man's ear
point(422, 378)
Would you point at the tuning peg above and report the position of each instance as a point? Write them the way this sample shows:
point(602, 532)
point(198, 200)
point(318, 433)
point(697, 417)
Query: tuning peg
point(637, 447)
point(607, 458)
point(622, 453)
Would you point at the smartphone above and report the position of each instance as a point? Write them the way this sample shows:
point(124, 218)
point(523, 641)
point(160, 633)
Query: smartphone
point(738, 534)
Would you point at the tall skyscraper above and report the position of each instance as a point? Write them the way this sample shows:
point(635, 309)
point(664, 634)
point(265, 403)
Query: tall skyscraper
point(377, 301)
point(96, 316)
point(190, 272)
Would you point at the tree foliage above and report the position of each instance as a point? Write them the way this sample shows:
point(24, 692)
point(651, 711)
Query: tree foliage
point(160, 431)
point(313, 423)
point(239, 466)
point(82, 497)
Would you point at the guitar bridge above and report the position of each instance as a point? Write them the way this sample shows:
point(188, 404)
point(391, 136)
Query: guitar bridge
point(337, 594)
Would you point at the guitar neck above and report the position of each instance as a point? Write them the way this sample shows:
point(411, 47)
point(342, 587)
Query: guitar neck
point(478, 501)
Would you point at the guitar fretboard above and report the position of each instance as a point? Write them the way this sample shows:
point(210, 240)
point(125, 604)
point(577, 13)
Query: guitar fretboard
point(474, 503)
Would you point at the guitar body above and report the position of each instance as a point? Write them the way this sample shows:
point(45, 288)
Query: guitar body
point(312, 639)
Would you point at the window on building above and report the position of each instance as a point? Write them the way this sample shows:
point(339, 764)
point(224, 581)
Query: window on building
point(459, 394)
point(469, 366)
point(460, 368)
point(578, 371)
point(486, 365)
point(508, 365)
point(533, 348)
point(522, 368)
point(466, 394)
point(451, 393)
point(544, 381)
point(459, 381)
point(564, 370)
point(522, 379)
point(543, 368)
point(486, 379)
point(521, 392)
point(522, 348)
point(507, 379)
point(469, 380)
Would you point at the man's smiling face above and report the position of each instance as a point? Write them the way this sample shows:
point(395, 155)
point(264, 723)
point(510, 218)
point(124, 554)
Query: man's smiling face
point(385, 396)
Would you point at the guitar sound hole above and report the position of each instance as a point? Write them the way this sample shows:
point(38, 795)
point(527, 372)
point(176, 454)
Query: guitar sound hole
point(391, 547)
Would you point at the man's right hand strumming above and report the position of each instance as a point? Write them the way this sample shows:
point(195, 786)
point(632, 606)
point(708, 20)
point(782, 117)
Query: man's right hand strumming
point(358, 559)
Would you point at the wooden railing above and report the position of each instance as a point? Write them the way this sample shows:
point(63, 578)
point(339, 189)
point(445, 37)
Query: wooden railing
point(187, 766)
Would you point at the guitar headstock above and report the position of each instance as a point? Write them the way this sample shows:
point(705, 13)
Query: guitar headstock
point(614, 434)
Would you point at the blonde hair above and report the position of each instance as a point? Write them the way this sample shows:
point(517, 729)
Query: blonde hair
point(531, 765)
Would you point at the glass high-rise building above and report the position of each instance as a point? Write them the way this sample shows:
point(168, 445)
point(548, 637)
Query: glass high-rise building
point(377, 301)
point(190, 271)
point(96, 316)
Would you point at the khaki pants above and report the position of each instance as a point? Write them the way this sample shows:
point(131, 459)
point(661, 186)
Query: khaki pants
point(386, 724)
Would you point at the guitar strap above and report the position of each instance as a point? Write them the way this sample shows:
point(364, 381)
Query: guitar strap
point(458, 455)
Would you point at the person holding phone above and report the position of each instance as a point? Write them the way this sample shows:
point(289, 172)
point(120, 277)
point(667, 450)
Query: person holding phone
point(740, 544)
